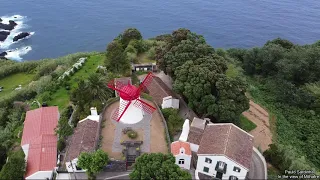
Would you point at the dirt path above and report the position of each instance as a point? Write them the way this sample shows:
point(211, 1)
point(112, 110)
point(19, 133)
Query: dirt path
point(262, 134)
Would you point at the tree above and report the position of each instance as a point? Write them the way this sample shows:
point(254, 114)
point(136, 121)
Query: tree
point(209, 91)
point(130, 34)
point(15, 167)
point(157, 166)
point(116, 60)
point(93, 162)
point(97, 88)
point(184, 46)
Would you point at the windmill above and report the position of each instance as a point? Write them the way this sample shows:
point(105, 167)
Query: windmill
point(131, 109)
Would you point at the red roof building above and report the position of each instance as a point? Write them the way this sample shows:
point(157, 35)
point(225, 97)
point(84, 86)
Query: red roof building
point(177, 146)
point(39, 142)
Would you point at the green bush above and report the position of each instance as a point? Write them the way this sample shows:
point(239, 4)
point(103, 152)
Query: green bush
point(132, 134)
point(61, 144)
point(174, 121)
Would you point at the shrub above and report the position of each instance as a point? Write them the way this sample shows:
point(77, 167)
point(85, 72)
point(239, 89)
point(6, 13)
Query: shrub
point(61, 144)
point(132, 134)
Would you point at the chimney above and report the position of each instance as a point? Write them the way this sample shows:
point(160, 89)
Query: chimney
point(185, 131)
point(94, 111)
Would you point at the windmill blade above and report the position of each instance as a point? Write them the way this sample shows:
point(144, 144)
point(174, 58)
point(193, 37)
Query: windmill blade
point(117, 86)
point(146, 82)
point(144, 106)
point(120, 110)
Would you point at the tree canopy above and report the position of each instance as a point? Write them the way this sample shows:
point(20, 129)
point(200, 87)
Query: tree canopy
point(182, 47)
point(199, 74)
point(116, 60)
point(157, 166)
point(15, 167)
point(93, 162)
point(130, 34)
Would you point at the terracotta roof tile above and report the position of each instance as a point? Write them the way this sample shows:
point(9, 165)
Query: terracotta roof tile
point(175, 147)
point(42, 154)
point(84, 139)
point(39, 133)
point(159, 90)
point(195, 135)
point(229, 140)
point(39, 121)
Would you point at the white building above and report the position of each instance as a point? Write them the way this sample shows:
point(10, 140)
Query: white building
point(182, 152)
point(220, 151)
point(170, 102)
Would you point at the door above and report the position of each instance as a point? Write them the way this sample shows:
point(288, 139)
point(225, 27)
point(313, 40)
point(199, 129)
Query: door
point(219, 175)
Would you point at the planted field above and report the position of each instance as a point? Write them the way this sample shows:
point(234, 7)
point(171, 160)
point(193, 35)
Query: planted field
point(61, 97)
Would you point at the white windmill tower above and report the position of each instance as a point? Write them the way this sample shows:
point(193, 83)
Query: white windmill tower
point(131, 109)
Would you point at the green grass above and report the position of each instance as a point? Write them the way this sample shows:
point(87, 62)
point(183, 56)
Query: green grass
point(246, 124)
point(11, 82)
point(89, 67)
point(143, 58)
point(61, 97)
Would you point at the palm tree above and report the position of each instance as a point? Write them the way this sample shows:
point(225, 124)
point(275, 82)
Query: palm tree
point(97, 89)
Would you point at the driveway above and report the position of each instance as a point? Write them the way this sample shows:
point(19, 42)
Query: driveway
point(258, 167)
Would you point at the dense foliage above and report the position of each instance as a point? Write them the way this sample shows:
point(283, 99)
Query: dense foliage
point(158, 166)
point(199, 74)
point(285, 78)
point(174, 121)
point(93, 162)
point(15, 167)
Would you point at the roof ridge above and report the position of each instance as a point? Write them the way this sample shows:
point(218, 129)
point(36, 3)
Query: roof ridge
point(225, 147)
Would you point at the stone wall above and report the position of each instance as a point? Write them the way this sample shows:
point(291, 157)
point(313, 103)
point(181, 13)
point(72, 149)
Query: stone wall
point(115, 166)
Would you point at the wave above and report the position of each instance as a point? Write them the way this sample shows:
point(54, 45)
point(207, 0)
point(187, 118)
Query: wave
point(17, 53)
point(5, 45)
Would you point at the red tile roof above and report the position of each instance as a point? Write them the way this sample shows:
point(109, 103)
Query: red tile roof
point(84, 139)
point(42, 154)
point(175, 147)
point(39, 133)
point(39, 121)
point(229, 140)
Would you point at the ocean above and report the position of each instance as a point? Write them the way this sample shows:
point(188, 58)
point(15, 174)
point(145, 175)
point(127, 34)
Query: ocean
point(68, 26)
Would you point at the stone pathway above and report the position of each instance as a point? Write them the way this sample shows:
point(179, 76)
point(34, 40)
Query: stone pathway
point(143, 124)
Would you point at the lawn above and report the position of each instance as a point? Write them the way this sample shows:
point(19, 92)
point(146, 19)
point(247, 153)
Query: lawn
point(143, 58)
point(11, 82)
point(61, 97)
point(246, 124)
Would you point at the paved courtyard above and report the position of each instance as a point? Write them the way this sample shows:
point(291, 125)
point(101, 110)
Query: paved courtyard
point(150, 131)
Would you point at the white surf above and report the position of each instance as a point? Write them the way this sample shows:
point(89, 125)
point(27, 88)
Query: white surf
point(17, 53)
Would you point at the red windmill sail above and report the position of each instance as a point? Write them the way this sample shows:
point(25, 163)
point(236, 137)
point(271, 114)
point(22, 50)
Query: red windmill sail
point(130, 94)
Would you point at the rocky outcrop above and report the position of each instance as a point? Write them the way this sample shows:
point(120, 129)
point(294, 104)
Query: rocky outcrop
point(0, 20)
point(21, 36)
point(3, 54)
point(9, 26)
point(4, 35)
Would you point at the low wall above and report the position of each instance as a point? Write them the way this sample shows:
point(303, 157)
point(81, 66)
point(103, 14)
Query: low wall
point(165, 127)
point(116, 166)
point(109, 102)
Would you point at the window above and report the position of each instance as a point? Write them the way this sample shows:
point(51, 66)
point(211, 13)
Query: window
point(181, 161)
point(181, 150)
point(221, 167)
point(205, 169)
point(233, 178)
point(208, 160)
point(236, 169)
